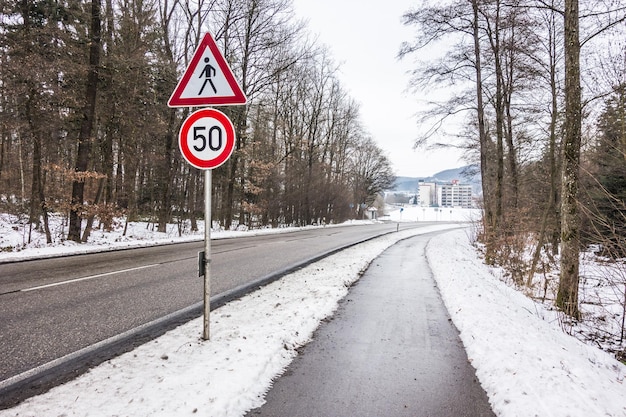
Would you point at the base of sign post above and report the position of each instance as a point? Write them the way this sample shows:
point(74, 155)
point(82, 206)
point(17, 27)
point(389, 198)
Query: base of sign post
point(207, 253)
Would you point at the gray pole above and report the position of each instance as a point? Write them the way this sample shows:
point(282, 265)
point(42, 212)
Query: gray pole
point(207, 253)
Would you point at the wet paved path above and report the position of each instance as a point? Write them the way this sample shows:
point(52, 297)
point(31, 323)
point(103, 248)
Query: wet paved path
point(390, 350)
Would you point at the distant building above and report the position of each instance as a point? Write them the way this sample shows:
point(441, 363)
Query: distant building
point(454, 195)
point(435, 194)
point(427, 194)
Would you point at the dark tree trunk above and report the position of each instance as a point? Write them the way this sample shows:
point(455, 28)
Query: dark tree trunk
point(567, 297)
point(234, 168)
point(38, 200)
point(92, 216)
point(511, 153)
point(488, 215)
point(499, 108)
point(166, 174)
point(87, 124)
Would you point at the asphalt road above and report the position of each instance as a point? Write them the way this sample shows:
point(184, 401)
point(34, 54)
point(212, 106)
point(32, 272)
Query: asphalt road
point(389, 350)
point(54, 307)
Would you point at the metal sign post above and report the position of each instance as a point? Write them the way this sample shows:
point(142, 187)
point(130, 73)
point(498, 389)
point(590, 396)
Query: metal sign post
point(206, 140)
point(207, 254)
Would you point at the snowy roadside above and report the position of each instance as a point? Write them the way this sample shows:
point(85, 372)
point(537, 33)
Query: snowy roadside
point(18, 242)
point(138, 234)
point(526, 364)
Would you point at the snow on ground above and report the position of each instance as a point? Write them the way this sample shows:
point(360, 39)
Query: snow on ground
point(602, 296)
point(18, 241)
point(411, 213)
point(15, 246)
point(526, 364)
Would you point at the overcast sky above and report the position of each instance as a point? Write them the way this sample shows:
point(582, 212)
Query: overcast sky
point(364, 36)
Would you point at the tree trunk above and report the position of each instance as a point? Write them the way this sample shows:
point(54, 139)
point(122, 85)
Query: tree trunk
point(192, 186)
point(230, 188)
point(234, 168)
point(499, 108)
point(488, 215)
point(20, 153)
point(38, 200)
point(554, 165)
point(166, 174)
point(86, 126)
point(92, 216)
point(3, 140)
point(33, 216)
point(511, 153)
point(44, 208)
point(551, 211)
point(567, 297)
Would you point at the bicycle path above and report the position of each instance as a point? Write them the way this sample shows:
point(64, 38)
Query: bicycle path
point(390, 350)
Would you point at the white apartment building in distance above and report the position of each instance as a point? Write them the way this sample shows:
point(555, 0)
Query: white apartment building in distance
point(454, 195)
point(451, 194)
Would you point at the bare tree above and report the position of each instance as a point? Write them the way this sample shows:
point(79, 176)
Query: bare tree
point(465, 24)
point(254, 34)
point(550, 220)
point(87, 124)
point(372, 173)
point(567, 297)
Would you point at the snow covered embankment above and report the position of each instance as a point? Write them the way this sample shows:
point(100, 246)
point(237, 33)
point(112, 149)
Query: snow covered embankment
point(524, 361)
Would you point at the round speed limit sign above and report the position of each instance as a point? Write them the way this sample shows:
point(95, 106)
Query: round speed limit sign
point(207, 138)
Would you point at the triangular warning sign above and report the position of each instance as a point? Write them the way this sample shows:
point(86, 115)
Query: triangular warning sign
point(208, 80)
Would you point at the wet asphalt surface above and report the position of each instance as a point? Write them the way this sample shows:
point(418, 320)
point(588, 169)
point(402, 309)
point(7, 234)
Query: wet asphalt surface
point(389, 350)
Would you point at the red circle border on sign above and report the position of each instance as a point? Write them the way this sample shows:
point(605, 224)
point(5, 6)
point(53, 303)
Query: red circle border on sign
point(229, 133)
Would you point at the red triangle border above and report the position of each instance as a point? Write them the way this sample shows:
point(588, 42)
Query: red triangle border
point(238, 99)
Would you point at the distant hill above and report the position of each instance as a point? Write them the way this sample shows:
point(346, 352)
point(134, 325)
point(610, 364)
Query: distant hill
point(468, 174)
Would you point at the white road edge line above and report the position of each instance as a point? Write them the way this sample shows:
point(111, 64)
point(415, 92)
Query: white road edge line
point(87, 278)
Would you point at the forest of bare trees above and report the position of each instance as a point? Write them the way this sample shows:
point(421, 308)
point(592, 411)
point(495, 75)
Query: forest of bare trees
point(85, 130)
point(541, 86)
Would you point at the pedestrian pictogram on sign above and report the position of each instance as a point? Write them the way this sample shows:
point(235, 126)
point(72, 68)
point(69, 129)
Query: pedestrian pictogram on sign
point(208, 80)
point(207, 138)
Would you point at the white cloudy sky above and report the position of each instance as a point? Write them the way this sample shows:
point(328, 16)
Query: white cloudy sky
point(364, 36)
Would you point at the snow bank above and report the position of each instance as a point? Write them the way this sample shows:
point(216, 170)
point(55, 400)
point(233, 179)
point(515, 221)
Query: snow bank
point(527, 365)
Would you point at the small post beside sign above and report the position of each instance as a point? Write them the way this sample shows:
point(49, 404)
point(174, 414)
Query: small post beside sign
point(201, 263)
point(207, 136)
